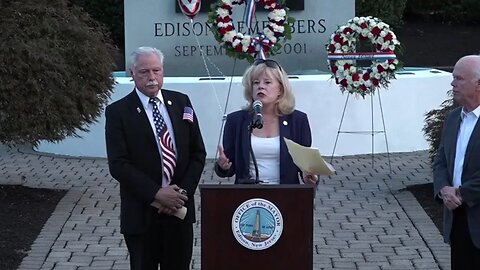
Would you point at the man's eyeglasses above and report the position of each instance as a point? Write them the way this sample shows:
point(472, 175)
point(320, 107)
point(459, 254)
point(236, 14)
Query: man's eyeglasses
point(268, 62)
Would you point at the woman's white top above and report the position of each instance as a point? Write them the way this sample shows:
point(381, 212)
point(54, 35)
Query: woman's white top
point(267, 154)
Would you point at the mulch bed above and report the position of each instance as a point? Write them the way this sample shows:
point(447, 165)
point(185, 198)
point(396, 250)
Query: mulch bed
point(424, 195)
point(23, 213)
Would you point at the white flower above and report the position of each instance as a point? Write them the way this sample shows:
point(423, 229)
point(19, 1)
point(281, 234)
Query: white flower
point(222, 24)
point(222, 13)
point(365, 32)
point(247, 40)
point(277, 14)
point(228, 36)
point(227, 2)
point(270, 35)
point(236, 42)
point(277, 28)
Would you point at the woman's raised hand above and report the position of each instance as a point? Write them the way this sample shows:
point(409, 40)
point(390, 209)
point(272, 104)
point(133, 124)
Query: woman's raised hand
point(222, 160)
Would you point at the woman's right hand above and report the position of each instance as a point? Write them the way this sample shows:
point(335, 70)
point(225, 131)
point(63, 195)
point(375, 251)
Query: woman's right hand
point(222, 160)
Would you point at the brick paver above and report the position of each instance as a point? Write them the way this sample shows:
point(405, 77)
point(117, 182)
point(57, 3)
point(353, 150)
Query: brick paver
point(364, 219)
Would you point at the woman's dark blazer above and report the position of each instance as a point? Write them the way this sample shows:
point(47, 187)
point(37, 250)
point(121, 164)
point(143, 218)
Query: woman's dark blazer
point(236, 144)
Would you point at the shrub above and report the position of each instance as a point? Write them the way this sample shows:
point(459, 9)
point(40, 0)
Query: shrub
point(56, 75)
point(434, 124)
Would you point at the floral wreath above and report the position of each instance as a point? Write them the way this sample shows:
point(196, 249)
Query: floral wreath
point(241, 46)
point(342, 55)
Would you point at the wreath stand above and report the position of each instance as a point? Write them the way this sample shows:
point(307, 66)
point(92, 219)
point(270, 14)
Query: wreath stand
point(371, 132)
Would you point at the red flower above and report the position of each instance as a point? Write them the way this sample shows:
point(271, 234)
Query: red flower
point(363, 87)
point(338, 39)
point(224, 30)
point(238, 48)
point(343, 82)
point(224, 20)
point(363, 25)
point(331, 48)
point(334, 68)
point(227, 7)
point(380, 68)
point(355, 77)
point(388, 37)
point(375, 81)
point(347, 30)
point(366, 76)
point(376, 31)
point(347, 66)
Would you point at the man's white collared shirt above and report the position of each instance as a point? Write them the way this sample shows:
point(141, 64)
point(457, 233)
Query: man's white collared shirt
point(466, 128)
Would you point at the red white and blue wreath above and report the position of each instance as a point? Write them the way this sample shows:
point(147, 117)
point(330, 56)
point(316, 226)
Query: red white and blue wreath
point(240, 45)
point(342, 55)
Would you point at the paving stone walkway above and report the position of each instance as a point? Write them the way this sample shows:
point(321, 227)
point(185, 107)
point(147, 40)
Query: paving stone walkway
point(364, 219)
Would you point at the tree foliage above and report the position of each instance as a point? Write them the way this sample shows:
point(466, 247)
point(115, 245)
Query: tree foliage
point(108, 12)
point(56, 72)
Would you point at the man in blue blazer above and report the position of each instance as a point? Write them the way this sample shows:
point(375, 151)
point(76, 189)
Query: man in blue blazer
point(265, 84)
point(456, 169)
point(155, 235)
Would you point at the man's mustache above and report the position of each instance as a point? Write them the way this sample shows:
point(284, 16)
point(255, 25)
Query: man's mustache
point(152, 83)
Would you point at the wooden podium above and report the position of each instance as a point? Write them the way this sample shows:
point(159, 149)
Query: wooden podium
point(219, 246)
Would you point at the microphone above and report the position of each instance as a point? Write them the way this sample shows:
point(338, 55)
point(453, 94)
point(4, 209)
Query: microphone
point(257, 121)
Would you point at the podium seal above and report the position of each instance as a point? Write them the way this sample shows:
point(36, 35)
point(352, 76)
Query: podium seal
point(257, 224)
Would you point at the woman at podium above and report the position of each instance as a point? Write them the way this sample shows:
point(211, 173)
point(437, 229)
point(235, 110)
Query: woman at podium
point(253, 146)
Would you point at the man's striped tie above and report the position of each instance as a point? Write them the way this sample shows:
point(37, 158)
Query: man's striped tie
point(166, 144)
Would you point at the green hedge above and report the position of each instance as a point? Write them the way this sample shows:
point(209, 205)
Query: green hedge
point(445, 11)
point(389, 11)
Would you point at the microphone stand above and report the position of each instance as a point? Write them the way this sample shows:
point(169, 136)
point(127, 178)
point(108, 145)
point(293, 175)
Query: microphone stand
point(250, 129)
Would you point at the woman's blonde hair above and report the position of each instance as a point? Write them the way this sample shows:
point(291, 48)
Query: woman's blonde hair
point(286, 100)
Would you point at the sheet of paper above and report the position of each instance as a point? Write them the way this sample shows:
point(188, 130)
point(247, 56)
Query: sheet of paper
point(181, 213)
point(308, 159)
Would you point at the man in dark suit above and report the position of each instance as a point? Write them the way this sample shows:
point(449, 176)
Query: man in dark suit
point(456, 169)
point(154, 168)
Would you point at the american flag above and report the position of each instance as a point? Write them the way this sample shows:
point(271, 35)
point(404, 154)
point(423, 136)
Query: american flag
point(188, 114)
